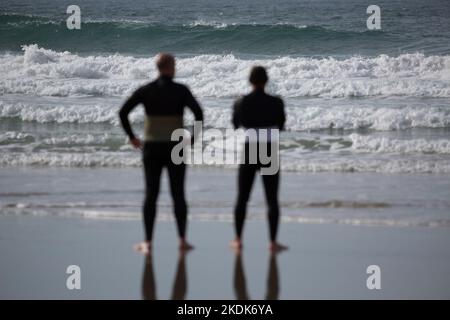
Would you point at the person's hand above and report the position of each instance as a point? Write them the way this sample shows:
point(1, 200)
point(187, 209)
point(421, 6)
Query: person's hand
point(136, 143)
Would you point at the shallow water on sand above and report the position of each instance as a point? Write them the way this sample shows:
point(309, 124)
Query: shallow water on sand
point(336, 198)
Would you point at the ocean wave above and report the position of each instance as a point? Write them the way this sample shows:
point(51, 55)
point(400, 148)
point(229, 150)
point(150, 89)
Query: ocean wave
point(213, 36)
point(24, 19)
point(66, 142)
point(386, 165)
point(292, 160)
point(71, 159)
point(222, 25)
point(15, 137)
point(329, 204)
point(205, 23)
point(43, 113)
point(368, 144)
point(378, 117)
point(371, 144)
point(46, 72)
point(299, 118)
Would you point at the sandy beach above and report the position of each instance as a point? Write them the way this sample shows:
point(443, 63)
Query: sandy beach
point(45, 227)
point(324, 261)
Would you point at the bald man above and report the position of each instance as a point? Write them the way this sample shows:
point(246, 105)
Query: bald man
point(164, 101)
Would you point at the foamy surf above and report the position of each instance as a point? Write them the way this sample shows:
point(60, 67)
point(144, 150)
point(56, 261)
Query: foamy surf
point(302, 115)
point(228, 218)
point(59, 108)
point(40, 71)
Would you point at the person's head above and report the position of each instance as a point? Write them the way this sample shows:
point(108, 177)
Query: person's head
point(258, 77)
point(165, 63)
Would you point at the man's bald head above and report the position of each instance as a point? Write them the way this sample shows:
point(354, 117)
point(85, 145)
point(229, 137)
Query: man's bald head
point(165, 63)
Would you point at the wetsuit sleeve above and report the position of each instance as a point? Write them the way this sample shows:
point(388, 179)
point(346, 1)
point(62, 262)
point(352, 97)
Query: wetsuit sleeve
point(237, 114)
point(127, 107)
point(282, 117)
point(192, 104)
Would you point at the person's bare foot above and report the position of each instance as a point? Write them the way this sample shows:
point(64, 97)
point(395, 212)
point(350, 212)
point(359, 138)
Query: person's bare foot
point(185, 246)
point(276, 247)
point(236, 245)
point(144, 247)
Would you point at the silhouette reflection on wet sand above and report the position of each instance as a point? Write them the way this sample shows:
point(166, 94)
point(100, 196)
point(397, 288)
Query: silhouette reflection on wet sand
point(240, 283)
point(179, 288)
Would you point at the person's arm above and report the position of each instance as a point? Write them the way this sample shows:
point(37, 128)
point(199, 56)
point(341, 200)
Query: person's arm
point(127, 107)
point(282, 117)
point(194, 106)
point(237, 107)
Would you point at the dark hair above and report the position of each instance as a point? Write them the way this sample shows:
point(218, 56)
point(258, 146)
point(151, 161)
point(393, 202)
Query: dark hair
point(258, 75)
point(165, 60)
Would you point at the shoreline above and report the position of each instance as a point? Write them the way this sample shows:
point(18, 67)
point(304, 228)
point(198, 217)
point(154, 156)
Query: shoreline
point(414, 200)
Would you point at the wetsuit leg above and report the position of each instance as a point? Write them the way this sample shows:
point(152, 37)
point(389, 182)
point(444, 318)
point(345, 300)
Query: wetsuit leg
point(271, 191)
point(245, 182)
point(153, 165)
point(176, 177)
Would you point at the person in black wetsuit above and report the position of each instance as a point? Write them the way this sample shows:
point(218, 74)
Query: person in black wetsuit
point(164, 101)
point(257, 110)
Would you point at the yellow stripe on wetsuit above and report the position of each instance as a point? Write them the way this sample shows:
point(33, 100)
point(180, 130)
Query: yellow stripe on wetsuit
point(160, 128)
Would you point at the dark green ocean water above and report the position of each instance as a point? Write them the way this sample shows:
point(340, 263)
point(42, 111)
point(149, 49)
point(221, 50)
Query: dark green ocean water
point(320, 27)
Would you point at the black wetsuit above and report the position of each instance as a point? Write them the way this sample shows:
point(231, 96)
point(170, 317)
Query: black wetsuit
point(257, 110)
point(162, 99)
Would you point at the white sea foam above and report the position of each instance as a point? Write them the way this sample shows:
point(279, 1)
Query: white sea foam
point(223, 217)
point(372, 144)
point(368, 117)
point(71, 159)
point(209, 23)
point(44, 113)
point(222, 25)
point(15, 137)
point(45, 86)
point(299, 118)
point(291, 161)
point(42, 71)
point(355, 164)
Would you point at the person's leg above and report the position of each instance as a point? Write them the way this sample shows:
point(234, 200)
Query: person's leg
point(271, 183)
point(246, 176)
point(152, 169)
point(177, 174)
